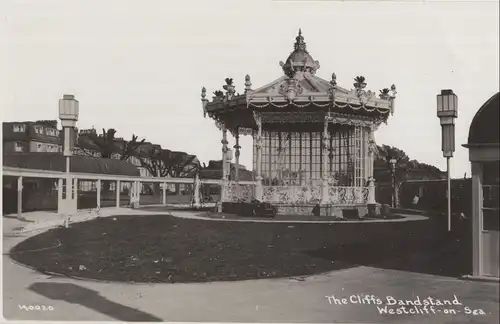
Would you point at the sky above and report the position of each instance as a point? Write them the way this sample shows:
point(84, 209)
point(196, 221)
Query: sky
point(139, 66)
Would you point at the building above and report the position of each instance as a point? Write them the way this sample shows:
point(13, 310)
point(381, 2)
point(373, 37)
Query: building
point(31, 136)
point(432, 196)
point(312, 139)
point(484, 155)
point(411, 179)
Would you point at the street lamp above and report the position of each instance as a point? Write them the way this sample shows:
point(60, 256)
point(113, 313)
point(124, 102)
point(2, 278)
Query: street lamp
point(392, 164)
point(68, 114)
point(447, 111)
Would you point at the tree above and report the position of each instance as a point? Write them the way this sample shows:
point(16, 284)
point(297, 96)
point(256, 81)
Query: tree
point(403, 166)
point(131, 148)
point(107, 144)
point(165, 162)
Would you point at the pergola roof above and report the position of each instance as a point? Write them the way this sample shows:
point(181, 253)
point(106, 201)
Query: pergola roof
point(79, 164)
point(484, 129)
point(299, 89)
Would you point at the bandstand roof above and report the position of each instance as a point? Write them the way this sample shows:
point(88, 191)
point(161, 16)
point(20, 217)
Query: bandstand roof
point(298, 90)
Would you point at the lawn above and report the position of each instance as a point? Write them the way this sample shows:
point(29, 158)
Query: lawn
point(162, 248)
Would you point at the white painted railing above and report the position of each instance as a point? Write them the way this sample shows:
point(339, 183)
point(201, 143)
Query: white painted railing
point(34, 173)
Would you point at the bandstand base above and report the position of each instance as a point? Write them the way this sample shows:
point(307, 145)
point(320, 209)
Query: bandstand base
point(338, 211)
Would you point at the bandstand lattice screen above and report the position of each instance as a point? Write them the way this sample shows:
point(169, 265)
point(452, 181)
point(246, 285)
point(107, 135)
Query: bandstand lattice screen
point(297, 158)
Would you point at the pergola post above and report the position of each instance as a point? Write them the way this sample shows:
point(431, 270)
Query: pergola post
point(138, 194)
point(75, 195)
point(237, 156)
point(60, 202)
point(324, 173)
point(118, 192)
point(98, 189)
point(164, 194)
point(19, 197)
point(196, 192)
point(258, 158)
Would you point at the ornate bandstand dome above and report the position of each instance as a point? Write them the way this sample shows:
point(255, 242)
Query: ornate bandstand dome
point(299, 59)
point(299, 89)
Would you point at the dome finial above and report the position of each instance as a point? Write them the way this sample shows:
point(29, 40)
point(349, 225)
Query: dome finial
point(300, 45)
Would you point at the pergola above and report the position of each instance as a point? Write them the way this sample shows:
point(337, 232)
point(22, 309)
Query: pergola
point(313, 140)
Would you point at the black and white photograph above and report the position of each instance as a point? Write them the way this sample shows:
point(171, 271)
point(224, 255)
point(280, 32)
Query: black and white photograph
point(251, 161)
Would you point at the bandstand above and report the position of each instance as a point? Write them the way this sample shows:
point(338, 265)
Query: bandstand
point(312, 139)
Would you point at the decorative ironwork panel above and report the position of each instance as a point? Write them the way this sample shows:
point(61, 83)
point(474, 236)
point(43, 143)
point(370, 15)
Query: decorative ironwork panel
point(347, 195)
point(236, 192)
point(292, 195)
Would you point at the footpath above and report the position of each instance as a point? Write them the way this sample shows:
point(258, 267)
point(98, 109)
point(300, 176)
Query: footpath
point(348, 295)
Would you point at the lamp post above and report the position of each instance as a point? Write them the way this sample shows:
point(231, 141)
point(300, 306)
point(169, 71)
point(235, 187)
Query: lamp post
point(447, 111)
point(68, 114)
point(392, 165)
point(393, 161)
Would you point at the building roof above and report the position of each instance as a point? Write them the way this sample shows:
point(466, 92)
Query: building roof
point(79, 164)
point(484, 129)
point(214, 171)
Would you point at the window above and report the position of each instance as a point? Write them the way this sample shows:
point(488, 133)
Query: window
point(491, 192)
point(19, 128)
point(19, 147)
point(51, 132)
point(38, 129)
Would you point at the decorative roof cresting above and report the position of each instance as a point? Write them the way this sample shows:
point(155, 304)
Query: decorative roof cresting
point(299, 59)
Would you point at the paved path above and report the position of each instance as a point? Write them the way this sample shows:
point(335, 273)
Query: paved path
point(41, 220)
point(267, 300)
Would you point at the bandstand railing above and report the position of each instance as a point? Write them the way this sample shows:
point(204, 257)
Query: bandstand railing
point(239, 192)
point(297, 195)
point(347, 195)
point(306, 195)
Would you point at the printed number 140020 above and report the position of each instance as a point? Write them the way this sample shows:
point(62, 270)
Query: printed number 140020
point(36, 308)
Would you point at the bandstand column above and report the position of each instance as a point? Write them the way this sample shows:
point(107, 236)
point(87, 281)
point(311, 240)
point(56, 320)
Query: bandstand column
point(237, 156)
point(324, 173)
point(258, 158)
point(224, 167)
point(371, 180)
